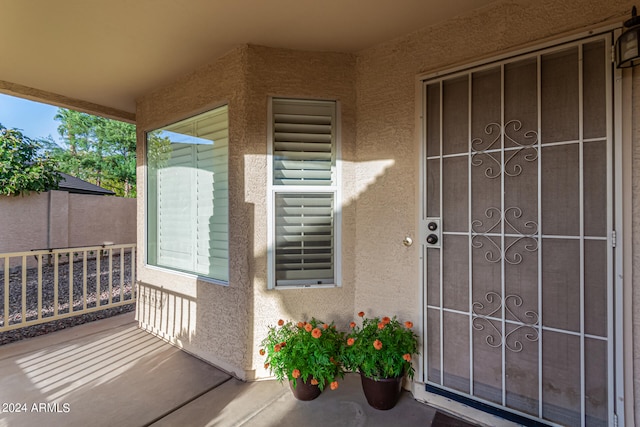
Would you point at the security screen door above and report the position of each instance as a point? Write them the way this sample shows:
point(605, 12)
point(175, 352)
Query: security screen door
point(517, 227)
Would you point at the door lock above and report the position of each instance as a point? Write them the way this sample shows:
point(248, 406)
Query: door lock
point(432, 235)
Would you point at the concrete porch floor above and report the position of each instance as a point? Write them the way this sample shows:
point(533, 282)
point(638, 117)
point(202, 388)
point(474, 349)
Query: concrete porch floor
point(110, 373)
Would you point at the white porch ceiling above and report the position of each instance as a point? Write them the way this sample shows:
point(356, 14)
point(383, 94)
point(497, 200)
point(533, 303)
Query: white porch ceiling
point(109, 52)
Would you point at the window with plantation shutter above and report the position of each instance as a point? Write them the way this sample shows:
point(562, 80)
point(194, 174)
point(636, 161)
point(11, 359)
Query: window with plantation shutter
point(187, 196)
point(304, 233)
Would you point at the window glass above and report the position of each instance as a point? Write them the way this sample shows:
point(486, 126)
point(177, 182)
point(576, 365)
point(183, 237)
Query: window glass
point(187, 196)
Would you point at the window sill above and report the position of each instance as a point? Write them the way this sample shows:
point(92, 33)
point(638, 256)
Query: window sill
point(187, 275)
point(286, 287)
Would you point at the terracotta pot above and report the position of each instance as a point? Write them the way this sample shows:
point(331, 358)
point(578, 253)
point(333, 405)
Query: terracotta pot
point(382, 394)
point(303, 390)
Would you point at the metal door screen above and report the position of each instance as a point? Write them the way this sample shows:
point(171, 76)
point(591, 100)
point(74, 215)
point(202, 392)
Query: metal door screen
point(518, 198)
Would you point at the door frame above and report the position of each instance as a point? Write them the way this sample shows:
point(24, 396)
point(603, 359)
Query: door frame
point(619, 92)
point(623, 214)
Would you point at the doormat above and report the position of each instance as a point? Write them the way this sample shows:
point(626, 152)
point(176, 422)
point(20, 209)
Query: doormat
point(443, 420)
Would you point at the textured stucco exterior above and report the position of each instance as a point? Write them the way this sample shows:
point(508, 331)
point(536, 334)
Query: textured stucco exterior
point(224, 324)
point(58, 219)
point(208, 320)
point(381, 163)
point(386, 129)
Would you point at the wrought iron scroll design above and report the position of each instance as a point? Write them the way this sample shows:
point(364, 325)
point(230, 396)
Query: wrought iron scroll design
point(529, 323)
point(508, 131)
point(495, 217)
point(481, 229)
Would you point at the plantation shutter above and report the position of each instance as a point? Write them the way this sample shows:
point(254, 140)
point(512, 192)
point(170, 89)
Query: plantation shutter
point(304, 156)
point(304, 238)
point(174, 209)
point(193, 199)
point(212, 251)
point(303, 142)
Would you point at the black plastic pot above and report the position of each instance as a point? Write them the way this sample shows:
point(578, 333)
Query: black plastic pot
point(382, 394)
point(303, 390)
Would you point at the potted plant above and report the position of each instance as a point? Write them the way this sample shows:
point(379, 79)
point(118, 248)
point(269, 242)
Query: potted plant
point(381, 350)
point(306, 354)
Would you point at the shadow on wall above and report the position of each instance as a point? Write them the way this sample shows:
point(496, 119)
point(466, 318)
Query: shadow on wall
point(169, 315)
point(334, 303)
point(217, 322)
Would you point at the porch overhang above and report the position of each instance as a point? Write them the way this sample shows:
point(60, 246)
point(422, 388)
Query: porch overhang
point(100, 59)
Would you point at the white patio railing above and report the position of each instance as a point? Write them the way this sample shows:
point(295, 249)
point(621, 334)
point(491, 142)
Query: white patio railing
point(40, 286)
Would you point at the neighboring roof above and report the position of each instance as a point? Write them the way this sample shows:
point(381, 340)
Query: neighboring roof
point(78, 186)
point(121, 49)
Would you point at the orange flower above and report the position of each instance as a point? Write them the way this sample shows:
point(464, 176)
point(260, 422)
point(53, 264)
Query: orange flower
point(262, 352)
point(280, 322)
point(308, 327)
point(316, 333)
point(407, 357)
point(283, 344)
point(276, 348)
point(295, 373)
point(314, 381)
point(352, 325)
point(350, 341)
point(325, 326)
point(300, 325)
point(334, 385)
point(266, 365)
point(381, 325)
point(377, 344)
point(361, 314)
point(386, 320)
point(408, 324)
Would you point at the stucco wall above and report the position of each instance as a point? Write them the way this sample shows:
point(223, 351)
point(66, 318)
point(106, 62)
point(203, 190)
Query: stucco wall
point(216, 322)
point(387, 117)
point(387, 279)
point(98, 219)
point(58, 219)
point(23, 222)
point(287, 73)
point(208, 320)
point(377, 90)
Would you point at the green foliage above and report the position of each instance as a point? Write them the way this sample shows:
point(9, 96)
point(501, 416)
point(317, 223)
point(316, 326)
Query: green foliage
point(22, 168)
point(304, 350)
point(98, 150)
point(158, 150)
point(380, 348)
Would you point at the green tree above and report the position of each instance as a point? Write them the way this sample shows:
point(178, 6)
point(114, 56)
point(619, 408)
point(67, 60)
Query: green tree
point(23, 168)
point(98, 150)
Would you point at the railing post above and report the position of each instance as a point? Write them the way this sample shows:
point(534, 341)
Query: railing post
point(23, 318)
point(40, 286)
point(56, 259)
point(84, 280)
point(110, 274)
point(6, 292)
point(98, 276)
point(70, 257)
point(121, 274)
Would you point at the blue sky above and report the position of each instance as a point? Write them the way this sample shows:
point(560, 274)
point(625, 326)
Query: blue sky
point(34, 119)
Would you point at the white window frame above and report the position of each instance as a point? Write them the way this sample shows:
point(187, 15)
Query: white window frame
point(335, 188)
point(167, 269)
